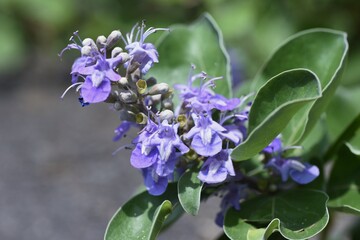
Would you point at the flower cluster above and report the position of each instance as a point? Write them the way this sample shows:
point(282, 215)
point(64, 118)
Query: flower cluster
point(202, 131)
point(301, 173)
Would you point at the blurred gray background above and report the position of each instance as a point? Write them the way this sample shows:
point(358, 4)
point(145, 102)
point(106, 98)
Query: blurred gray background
point(58, 178)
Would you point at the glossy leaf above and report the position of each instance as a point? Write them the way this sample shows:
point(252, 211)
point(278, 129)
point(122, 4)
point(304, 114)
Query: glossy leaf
point(189, 192)
point(296, 214)
point(201, 44)
point(274, 106)
point(322, 51)
point(344, 183)
point(142, 216)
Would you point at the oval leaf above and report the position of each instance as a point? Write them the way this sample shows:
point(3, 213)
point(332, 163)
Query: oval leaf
point(274, 106)
point(344, 183)
point(296, 214)
point(189, 192)
point(200, 43)
point(142, 216)
point(322, 51)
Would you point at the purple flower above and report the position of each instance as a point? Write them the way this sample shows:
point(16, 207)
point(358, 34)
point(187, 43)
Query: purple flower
point(143, 53)
point(166, 140)
point(95, 68)
point(96, 88)
point(141, 160)
point(81, 66)
point(202, 98)
point(301, 173)
point(122, 129)
point(155, 184)
point(217, 168)
point(235, 192)
point(155, 153)
point(274, 148)
point(207, 135)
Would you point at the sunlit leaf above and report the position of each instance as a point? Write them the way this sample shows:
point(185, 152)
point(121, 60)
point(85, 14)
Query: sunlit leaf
point(274, 106)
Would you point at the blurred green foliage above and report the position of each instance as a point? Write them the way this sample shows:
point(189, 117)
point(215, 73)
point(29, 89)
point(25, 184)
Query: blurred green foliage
point(251, 28)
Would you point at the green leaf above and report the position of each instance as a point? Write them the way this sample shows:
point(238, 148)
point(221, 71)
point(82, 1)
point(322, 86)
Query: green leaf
point(296, 214)
point(160, 215)
point(235, 227)
point(354, 144)
point(322, 51)
point(344, 183)
point(200, 43)
point(142, 216)
point(275, 104)
point(189, 192)
point(343, 120)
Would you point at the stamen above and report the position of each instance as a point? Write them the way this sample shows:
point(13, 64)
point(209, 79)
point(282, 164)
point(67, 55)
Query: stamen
point(152, 30)
point(137, 34)
point(297, 165)
point(78, 88)
point(71, 86)
point(292, 147)
point(76, 33)
point(142, 31)
point(126, 146)
point(131, 35)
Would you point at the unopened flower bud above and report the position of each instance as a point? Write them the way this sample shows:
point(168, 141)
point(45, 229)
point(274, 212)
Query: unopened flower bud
point(167, 103)
point(151, 81)
point(89, 42)
point(141, 118)
point(133, 67)
point(113, 38)
point(124, 57)
point(123, 81)
point(101, 41)
point(132, 108)
point(85, 50)
point(116, 51)
point(166, 115)
point(117, 106)
point(141, 86)
point(191, 155)
point(160, 88)
point(127, 97)
point(155, 99)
